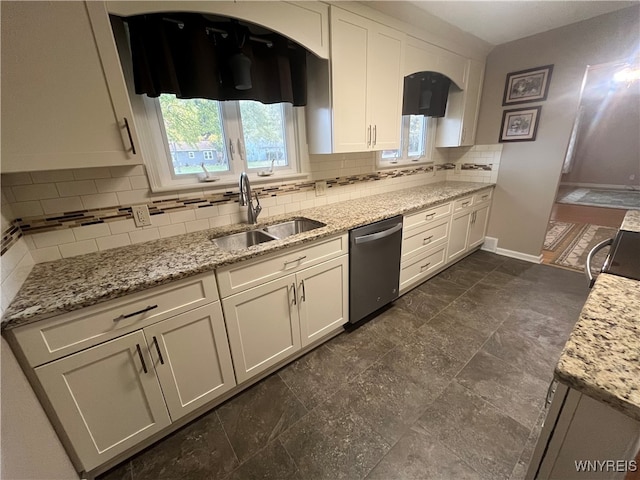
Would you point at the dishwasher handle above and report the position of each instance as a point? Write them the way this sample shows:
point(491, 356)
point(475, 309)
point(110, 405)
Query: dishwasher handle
point(377, 236)
point(594, 250)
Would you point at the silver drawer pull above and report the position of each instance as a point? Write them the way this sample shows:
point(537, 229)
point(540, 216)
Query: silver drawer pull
point(128, 315)
point(299, 259)
point(422, 267)
point(427, 239)
point(465, 204)
point(485, 196)
point(429, 216)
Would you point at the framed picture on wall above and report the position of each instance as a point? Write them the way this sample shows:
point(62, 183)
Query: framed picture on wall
point(520, 125)
point(527, 86)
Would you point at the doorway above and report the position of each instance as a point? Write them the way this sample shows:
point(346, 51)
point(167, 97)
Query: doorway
point(601, 174)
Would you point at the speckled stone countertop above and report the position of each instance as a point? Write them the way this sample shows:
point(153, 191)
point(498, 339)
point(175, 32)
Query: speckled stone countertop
point(69, 284)
point(631, 221)
point(602, 356)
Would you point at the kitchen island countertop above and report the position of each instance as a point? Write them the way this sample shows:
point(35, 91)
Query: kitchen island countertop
point(602, 356)
point(69, 284)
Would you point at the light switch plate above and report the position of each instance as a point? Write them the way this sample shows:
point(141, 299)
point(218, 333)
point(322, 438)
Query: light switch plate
point(141, 215)
point(321, 188)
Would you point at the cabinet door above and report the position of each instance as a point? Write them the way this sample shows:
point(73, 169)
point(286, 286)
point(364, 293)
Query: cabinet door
point(459, 234)
point(384, 87)
point(323, 298)
point(191, 356)
point(63, 105)
point(472, 102)
point(349, 47)
point(263, 326)
point(478, 226)
point(104, 399)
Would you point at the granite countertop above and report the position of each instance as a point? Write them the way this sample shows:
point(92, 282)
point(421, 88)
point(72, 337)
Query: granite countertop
point(69, 284)
point(602, 356)
point(631, 221)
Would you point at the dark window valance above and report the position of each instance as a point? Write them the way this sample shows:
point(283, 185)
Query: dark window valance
point(187, 55)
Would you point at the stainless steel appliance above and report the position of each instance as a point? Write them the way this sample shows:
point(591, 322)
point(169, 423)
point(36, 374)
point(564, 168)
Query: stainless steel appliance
point(623, 259)
point(374, 266)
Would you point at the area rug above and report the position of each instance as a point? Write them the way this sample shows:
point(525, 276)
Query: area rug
point(603, 198)
point(556, 233)
point(574, 255)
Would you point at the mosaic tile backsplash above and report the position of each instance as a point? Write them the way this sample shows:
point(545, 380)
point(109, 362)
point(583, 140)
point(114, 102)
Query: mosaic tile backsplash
point(71, 212)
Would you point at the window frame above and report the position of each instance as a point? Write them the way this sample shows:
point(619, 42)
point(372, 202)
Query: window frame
point(405, 159)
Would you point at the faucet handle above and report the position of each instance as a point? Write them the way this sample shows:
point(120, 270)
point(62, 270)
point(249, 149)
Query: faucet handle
point(258, 208)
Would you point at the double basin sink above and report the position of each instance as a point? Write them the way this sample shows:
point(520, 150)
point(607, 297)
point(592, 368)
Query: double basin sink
point(239, 241)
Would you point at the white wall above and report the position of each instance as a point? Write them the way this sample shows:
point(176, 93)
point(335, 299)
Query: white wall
point(530, 171)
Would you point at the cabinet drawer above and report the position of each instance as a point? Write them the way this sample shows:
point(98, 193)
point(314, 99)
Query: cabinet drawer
point(482, 197)
point(242, 276)
point(425, 238)
point(420, 267)
point(54, 338)
point(426, 216)
point(462, 203)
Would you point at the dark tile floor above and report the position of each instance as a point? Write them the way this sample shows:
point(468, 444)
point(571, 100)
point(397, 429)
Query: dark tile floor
point(448, 382)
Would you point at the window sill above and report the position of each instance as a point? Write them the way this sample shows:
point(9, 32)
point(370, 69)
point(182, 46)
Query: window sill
point(225, 183)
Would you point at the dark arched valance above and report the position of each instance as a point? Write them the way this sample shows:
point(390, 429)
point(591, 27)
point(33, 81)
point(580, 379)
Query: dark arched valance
point(191, 57)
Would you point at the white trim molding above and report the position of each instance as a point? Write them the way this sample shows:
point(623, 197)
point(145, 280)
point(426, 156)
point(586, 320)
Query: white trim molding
point(491, 245)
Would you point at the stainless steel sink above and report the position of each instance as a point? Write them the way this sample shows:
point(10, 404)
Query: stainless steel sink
point(297, 225)
point(242, 240)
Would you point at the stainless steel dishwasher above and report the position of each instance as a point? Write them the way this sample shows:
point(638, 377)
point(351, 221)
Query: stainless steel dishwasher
point(374, 266)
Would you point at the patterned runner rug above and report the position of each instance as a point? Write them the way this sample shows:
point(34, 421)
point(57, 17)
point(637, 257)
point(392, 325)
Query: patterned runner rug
point(556, 233)
point(575, 251)
point(603, 198)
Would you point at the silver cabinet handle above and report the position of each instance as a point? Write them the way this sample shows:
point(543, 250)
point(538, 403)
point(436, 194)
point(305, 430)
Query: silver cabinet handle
point(422, 267)
point(484, 197)
point(128, 315)
point(464, 204)
point(429, 216)
point(295, 260)
point(303, 297)
point(379, 235)
point(155, 340)
point(375, 136)
point(231, 150)
point(427, 239)
point(295, 294)
point(126, 125)
point(594, 250)
point(144, 365)
point(369, 136)
point(550, 391)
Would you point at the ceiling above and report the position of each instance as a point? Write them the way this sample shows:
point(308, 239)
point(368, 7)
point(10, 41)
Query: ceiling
point(499, 22)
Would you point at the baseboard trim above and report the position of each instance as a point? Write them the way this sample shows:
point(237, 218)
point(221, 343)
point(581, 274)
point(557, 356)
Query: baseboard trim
point(519, 255)
point(491, 245)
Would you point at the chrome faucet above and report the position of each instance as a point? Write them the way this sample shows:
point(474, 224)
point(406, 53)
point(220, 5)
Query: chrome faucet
point(246, 200)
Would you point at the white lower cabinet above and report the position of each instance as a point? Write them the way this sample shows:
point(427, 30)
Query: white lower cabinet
point(268, 323)
point(478, 226)
point(459, 234)
point(107, 397)
point(191, 356)
point(324, 298)
point(263, 326)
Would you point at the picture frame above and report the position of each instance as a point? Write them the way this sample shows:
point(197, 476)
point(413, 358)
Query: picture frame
point(520, 124)
point(526, 86)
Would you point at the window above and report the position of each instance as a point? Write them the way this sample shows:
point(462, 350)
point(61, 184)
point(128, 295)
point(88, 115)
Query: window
point(416, 144)
point(226, 138)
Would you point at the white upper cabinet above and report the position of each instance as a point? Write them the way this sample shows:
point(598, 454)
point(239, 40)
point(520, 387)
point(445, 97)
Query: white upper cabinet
point(64, 100)
point(458, 126)
point(359, 106)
